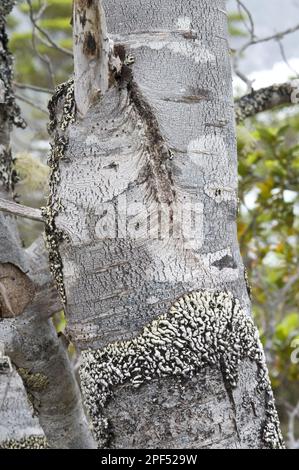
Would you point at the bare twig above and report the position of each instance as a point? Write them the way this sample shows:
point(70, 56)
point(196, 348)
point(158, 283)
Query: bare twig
point(251, 27)
point(264, 99)
point(27, 86)
point(21, 211)
point(49, 41)
point(31, 103)
point(45, 59)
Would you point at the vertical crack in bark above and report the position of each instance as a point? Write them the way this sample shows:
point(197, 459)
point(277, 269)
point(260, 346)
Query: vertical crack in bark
point(262, 100)
point(159, 154)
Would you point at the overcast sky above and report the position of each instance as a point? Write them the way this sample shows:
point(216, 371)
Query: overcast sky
point(271, 16)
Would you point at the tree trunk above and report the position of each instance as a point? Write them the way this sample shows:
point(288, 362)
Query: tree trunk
point(141, 229)
point(27, 301)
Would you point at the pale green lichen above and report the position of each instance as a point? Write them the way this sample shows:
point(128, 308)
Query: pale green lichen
point(260, 100)
point(57, 127)
point(202, 329)
point(30, 442)
point(35, 382)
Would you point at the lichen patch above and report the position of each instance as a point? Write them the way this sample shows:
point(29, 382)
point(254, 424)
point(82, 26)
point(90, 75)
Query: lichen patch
point(202, 329)
point(30, 442)
point(57, 127)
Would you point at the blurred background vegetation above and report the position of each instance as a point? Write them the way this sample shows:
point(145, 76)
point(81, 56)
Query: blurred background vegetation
point(268, 146)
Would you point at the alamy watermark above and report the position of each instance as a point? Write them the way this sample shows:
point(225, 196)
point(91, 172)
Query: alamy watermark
point(134, 220)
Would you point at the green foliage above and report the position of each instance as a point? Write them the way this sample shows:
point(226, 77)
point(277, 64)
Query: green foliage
point(236, 24)
point(32, 172)
point(269, 235)
point(33, 54)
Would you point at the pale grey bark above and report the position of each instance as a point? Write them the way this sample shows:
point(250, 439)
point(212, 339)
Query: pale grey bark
point(91, 52)
point(26, 212)
point(27, 300)
point(162, 135)
point(17, 422)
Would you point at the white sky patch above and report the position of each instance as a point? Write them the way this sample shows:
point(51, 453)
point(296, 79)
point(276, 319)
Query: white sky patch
point(279, 73)
point(289, 196)
point(250, 198)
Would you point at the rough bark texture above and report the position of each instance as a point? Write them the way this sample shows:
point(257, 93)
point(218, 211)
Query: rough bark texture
point(17, 423)
point(27, 301)
point(31, 342)
point(158, 149)
point(265, 99)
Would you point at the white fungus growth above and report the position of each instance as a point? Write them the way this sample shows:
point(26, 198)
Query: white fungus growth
point(201, 329)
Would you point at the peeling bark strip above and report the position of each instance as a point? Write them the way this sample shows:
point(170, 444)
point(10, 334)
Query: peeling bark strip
point(91, 51)
point(202, 329)
point(265, 99)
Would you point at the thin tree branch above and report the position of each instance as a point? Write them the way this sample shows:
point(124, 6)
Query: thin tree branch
point(264, 99)
point(279, 35)
point(251, 28)
point(31, 103)
point(91, 53)
point(254, 40)
point(50, 42)
point(15, 209)
point(27, 86)
point(285, 59)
